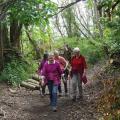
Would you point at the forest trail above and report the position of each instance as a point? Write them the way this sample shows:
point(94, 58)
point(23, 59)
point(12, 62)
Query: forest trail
point(29, 105)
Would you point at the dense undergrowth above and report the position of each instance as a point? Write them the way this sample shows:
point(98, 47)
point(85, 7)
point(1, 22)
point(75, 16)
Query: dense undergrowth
point(109, 101)
point(17, 71)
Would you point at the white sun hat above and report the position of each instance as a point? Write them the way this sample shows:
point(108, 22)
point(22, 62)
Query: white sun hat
point(76, 49)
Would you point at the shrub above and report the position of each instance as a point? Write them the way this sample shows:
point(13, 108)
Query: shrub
point(16, 71)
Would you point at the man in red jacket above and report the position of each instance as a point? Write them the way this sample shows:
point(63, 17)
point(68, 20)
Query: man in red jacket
point(78, 72)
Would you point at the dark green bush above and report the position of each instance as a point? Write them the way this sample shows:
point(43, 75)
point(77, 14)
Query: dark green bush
point(94, 56)
point(16, 71)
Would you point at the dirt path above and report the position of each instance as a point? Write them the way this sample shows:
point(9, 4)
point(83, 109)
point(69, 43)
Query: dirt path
point(29, 105)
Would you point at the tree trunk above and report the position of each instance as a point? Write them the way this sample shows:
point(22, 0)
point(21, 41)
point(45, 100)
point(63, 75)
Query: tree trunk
point(9, 46)
point(97, 19)
point(15, 32)
point(14, 41)
point(1, 47)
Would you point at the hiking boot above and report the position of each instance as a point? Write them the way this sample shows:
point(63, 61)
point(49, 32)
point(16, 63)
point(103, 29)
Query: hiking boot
point(66, 94)
point(54, 109)
point(42, 94)
point(60, 94)
point(80, 98)
point(74, 99)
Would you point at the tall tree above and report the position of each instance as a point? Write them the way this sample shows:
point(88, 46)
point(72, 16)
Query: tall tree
point(21, 13)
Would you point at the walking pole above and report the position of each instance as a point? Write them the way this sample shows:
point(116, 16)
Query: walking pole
point(63, 79)
point(69, 78)
point(69, 85)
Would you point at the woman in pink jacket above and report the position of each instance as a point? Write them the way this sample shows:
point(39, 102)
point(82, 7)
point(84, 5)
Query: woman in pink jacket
point(52, 73)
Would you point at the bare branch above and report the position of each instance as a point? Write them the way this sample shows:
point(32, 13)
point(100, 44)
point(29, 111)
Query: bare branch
point(113, 6)
point(62, 8)
point(4, 6)
point(69, 5)
point(80, 30)
point(57, 25)
point(85, 26)
point(100, 6)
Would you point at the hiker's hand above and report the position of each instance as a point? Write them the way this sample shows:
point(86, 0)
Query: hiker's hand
point(69, 77)
point(84, 74)
point(62, 75)
point(42, 77)
point(42, 82)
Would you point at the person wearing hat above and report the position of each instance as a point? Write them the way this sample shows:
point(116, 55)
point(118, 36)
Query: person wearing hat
point(78, 72)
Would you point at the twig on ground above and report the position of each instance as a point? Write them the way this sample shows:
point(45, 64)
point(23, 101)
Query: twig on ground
point(2, 113)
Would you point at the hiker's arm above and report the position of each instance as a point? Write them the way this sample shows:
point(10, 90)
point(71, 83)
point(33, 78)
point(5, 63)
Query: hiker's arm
point(66, 65)
point(85, 67)
point(84, 73)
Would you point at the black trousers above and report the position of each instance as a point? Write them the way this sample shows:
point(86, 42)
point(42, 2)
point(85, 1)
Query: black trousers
point(43, 89)
point(66, 72)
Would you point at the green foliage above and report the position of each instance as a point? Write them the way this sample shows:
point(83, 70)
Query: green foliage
point(32, 11)
point(41, 36)
point(111, 32)
point(17, 71)
point(94, 54)
point(89, 4)
point(111, 100)
point(29, 13)
point(113, 41)
point(71, 22)
point(106, 3)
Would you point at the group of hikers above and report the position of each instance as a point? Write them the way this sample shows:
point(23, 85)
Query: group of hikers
point(55, 67)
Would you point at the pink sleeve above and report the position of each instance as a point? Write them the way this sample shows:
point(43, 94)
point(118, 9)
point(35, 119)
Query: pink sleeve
point(44, 70)
point(63, 61)
point(59, 70)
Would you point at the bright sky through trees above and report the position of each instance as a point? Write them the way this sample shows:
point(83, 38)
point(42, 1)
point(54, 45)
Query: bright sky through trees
point(80, 10)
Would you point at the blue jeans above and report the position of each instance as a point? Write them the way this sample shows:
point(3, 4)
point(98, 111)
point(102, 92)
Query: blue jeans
point(53, 93)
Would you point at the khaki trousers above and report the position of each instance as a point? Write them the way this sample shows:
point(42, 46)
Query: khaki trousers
point(76, 84)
